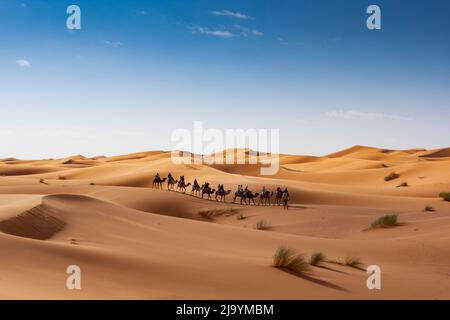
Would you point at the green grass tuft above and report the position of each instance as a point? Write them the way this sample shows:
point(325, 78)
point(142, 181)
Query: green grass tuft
point(288, 259)
point(386, 221)
point(317, 259)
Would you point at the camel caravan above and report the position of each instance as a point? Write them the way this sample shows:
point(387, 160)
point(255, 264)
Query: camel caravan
point(245, 195)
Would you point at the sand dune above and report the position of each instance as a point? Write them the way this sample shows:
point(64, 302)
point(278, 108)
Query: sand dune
point(132, 241)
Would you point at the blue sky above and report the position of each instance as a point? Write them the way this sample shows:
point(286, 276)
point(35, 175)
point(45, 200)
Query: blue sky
point(138, 70)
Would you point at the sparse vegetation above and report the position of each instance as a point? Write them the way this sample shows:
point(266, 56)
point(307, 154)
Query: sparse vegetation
point(445, 196)
point(262, 225)
point(92, 184)
point(42, 181)
point(62, 178)
point(403, 184)
point(212, 213)
point(354, 262)
point(241, 216)
point(317, 259)
point(288, 259)
point(429, 209)
point(386, 221)
point(391, 176)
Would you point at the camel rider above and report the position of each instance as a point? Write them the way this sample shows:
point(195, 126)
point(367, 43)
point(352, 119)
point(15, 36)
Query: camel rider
point(263, 191)
point(221, 187)
point(169, 177)
point(195, 183)
point(206, 185)
point(246, 191)
point(157, 177)
point(240, 190)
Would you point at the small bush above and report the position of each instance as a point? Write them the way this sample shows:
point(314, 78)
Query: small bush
point(42, 181)
point(354, 262)
point(92, 184)
point(262, 225)
point(445, 196)
point(317, 259)
point(288, 259)
point(241, 216)
point(391, 176)
point(386, 221)
point(210, 214)
point(403, 184)
point(429, 209)
point(62, 178)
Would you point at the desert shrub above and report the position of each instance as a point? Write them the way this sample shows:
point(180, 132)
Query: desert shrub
point(403, 184)
point(210, 214)
point(354, 262)
point(391, 176)
point(386, 221)
point(62, 178)
point(445, 196)
point(288, 259)
point(241, 216)
point(317, 259)
point(92, 184)
point(429, 209)
point(262, 225)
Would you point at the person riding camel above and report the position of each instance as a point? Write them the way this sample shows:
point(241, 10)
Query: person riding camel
point(196, 183)
point(157, 177)
point(206, 185)
point(169, 176)
point(263, 191)
point(246, 191)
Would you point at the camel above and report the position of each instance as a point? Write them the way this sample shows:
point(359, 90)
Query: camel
point(158, 183)
point(222, 194)
point(278, 196)
point(264, 198)
point(251, 197)
point(240, 195)
point(196, 189)
point(208, 191)
point(181, 186)
point(171, 184)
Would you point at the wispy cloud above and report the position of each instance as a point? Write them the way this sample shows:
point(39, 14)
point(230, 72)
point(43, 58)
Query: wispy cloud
point(289, 42)
point(246, 32)
point(112, 43)
point(23, 63)
point(23, 5)
point(217, 33)
point(143, 12)
point(228, 13)
point(351, 114)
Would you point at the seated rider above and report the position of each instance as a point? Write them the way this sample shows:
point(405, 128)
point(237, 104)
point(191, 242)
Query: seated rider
point(263, 191)
point(169, 176)
point(246, 191)
point(157, 177)
point(195, 183)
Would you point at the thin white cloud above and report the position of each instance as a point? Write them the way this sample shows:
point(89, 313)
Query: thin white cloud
point(23, 63)
point(351, 114)
point(143, 12)
point(228, 13)
point(23, 5)
point(217, 33)
point(246, 32)
point(113, 43)
point(289, 42)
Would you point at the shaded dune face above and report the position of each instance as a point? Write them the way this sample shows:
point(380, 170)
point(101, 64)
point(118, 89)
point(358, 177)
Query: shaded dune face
point(39, 223)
